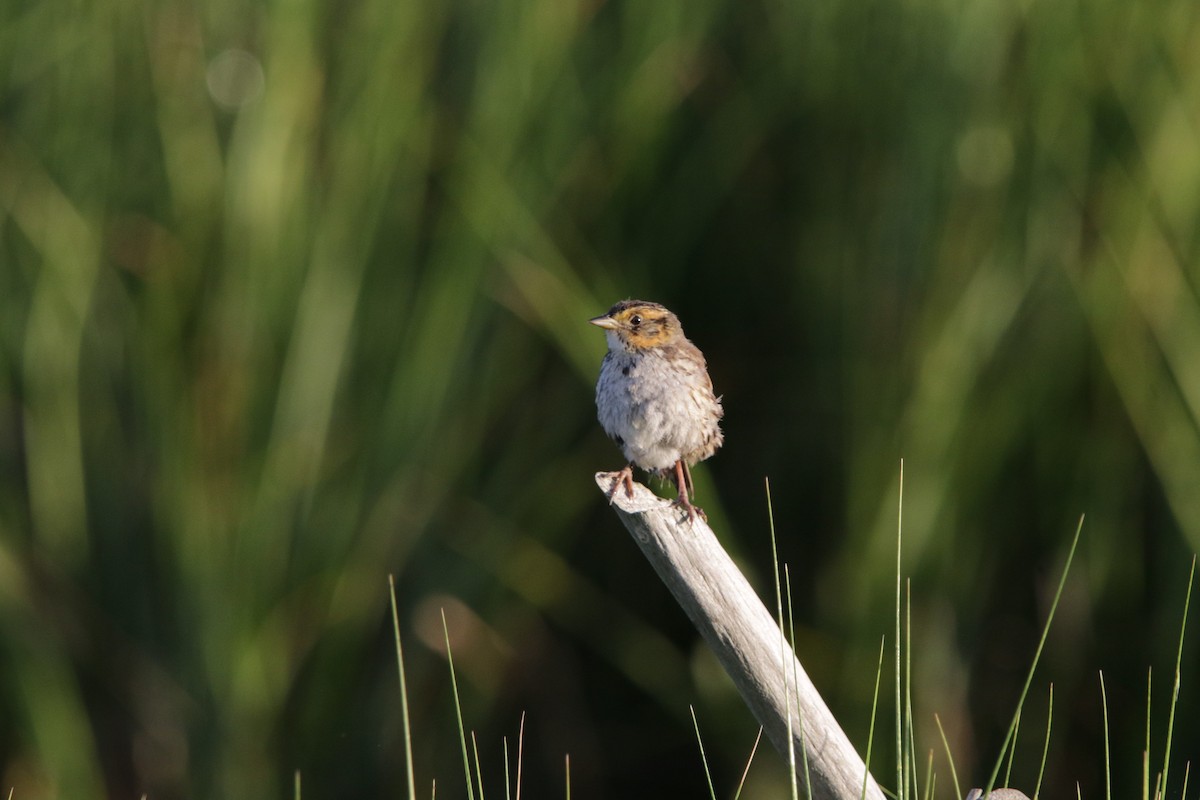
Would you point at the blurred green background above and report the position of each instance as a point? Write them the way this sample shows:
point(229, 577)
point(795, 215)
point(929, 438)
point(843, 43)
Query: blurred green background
point(293, 295)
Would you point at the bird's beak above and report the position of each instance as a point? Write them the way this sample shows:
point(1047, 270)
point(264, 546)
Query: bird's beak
point(604, 322)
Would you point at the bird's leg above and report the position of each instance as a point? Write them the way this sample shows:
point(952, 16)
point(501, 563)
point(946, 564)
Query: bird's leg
point(687, 473)
point(683, 480)
point(625, 476)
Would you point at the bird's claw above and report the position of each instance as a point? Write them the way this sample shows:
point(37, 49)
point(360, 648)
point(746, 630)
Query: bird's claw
point(625, 476)
point(690, 511)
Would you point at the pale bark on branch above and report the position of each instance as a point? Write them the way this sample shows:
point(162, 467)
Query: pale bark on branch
point(746, 639)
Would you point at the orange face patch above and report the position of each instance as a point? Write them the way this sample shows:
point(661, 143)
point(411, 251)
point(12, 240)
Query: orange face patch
point(642, 325)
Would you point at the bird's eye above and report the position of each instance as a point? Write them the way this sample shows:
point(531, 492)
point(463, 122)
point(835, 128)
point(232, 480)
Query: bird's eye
point(635, 320)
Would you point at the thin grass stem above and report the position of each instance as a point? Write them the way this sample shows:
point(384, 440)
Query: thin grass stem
point(703, 758)
point(507, 777)
point(520, 753)
point(782, 648)
point(749, 761)
point(462, 732)
point(787, 578)
point(1107, 753)
point(1046, 745)
point(874, 716)
point(404, 716)
point(1146, 751)
point(1012, 748)
point(949, 757)
point(478, 766)
point(910, 753)
point(1062, 581)
point(899, 707)
point(1187, 599)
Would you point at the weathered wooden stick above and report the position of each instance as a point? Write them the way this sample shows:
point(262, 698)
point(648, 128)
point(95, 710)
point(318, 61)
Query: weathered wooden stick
point(746, 639)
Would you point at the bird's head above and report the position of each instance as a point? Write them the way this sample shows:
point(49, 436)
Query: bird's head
point(635, 325)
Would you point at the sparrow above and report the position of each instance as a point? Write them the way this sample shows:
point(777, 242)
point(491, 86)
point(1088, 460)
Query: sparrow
point(655, 399)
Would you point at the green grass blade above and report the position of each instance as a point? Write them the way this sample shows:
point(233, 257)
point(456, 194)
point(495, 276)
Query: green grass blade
point(1187, 599)
point(928, 777)
point(900, 788)
point(910, 752)
point(520, 753)
point(1046, 745)
point(796, 684)
point(1062, 581)
point(949, 757)
point(782, 649)
point(749, 761)
point(1146, 751)
point(1187, 769)
point(462, 731)
point(295, 786)
point(874, 716)
point(478, 766)
point(507, 776)
point(787, 579)
point(703, 758)
point(1012, 748)
point(404, 717)
point(1107, 754)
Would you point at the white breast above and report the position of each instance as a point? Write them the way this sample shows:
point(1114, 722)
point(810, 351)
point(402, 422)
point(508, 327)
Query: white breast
point(658, 409)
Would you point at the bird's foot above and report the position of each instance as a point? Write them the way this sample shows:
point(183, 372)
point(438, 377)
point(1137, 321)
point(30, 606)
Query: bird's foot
point(687, 474)
point(683, 482)
point(690, 510)
point(625, 476)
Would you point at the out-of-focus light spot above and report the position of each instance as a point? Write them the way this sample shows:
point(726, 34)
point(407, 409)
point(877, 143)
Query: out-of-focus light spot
point(985, 155)
point(235, 79)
